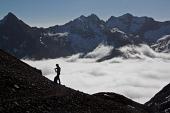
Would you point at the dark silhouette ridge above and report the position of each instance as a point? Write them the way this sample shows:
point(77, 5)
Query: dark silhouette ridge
point(161, 101)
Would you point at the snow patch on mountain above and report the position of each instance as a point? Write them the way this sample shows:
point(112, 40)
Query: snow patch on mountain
point(166, 37)
point(116, 30)
point(41, 41)
point(56, 34)
point(162, 44)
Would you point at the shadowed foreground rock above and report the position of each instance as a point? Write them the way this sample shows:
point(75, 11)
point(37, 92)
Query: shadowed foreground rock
point(161, 101)
point(23, 89)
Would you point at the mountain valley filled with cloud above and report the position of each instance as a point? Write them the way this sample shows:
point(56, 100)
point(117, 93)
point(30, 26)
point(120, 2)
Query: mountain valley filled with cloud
point(139, 74)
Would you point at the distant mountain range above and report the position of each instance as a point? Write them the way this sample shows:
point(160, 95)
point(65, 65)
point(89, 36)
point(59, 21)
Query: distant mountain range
point(82, 35)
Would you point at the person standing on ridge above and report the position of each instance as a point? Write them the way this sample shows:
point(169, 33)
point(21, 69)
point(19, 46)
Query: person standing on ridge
point(57, 78)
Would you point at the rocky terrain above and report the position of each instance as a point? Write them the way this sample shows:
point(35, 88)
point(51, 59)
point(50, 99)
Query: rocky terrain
point(161, 101)
point(81, 35)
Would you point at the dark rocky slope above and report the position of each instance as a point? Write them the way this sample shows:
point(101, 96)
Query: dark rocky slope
point(161, 101)
point(23, 89)
point(122, 99)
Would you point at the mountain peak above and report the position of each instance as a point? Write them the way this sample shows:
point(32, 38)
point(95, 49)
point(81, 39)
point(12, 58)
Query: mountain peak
point(10, 17)
point(127, 15)
point(11, 14)
point(111, 18)
point(82, 16)
point(93, 16)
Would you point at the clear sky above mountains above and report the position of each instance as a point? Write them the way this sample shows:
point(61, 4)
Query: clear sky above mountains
point(44, 13)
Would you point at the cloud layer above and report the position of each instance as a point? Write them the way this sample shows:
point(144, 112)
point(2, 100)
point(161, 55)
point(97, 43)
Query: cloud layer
point(138, 79)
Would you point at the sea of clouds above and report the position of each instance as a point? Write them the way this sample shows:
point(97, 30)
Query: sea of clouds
point(139, 74)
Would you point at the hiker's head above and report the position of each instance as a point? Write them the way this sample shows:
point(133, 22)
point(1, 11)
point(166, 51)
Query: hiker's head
point(57, 65)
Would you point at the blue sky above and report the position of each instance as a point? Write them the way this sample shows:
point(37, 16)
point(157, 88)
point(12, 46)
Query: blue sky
point(45, 13)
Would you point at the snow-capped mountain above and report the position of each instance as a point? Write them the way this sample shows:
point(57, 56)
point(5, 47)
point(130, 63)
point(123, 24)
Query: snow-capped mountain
point(162, 44)
point(84, 33)
point(146, 27)
point(87, 33)
point(126, 23)
point(81, 35)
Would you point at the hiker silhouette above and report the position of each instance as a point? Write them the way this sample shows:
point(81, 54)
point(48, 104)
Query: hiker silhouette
point(57, 78)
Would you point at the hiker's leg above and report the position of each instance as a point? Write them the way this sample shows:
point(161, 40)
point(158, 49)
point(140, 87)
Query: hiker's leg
point(55, 79)
point(59, 81)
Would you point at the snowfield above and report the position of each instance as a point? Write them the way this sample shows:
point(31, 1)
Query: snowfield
point(140, 76)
